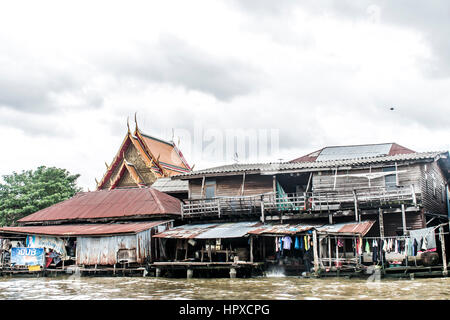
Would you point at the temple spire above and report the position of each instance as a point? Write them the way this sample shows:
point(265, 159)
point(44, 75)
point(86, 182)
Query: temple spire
point(135, 121)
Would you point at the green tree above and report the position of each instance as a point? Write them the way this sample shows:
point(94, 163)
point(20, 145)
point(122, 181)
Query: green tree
point(24, 193)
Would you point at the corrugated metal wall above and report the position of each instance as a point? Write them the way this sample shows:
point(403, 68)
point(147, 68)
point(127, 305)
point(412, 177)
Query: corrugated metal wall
point(103, 250)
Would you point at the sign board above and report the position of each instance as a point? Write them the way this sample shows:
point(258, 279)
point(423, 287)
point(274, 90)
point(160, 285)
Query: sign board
point(27, 256)
point(57, 244)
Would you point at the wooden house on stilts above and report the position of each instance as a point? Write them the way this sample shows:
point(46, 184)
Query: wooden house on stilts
point(354, 206)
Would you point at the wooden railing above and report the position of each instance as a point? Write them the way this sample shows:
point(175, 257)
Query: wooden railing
point(273, 203)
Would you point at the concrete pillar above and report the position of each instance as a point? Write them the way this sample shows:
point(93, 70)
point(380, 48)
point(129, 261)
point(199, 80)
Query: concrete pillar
point(190, 273)
point(157, 272)
point(233, 273)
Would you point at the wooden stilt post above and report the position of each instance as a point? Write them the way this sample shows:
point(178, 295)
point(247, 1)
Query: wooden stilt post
point(203, 186)
point(381, 222)
point(329, 250)
point(355, 199)
point(264, 247)
point(251, 249)
point(404, 219)
point(337, 252)
point(316, 254)
point(263, 218)
point(444, 255)
point(209, 251)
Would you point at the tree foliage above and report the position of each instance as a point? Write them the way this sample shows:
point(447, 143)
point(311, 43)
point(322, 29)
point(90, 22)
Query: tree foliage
point(24, 193)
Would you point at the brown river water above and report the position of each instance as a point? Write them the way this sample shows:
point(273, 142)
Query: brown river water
point(273, 288)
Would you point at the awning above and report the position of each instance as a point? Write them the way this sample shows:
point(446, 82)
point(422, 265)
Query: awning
point(347, 228)
point(210, 231)
point(283, 229)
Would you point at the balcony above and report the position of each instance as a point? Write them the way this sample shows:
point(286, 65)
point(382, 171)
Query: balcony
point(311, 202)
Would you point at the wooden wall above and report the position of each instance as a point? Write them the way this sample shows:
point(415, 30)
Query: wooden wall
point(324, 180)
point(231, 185)
point(433, 203)
point(393, 224)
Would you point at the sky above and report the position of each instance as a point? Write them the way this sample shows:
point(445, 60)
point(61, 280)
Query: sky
point(301, 75)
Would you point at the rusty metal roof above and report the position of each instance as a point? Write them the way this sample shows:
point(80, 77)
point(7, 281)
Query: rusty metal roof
point(359, 228)
point(210, 231)
point(282, 229)
point(241, 229)
point(187, 231)
point(84, 229)
point(229, 230)
point(117, 203)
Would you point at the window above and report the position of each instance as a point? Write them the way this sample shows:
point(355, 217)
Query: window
point(210, 189)
point(390, 181)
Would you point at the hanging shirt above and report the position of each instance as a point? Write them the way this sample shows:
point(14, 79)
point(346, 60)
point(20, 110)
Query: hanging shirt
point(287, 241)
point(297, 244)
point(367, 247)
point(415, 245)
point(424, 243)
point(340, 242)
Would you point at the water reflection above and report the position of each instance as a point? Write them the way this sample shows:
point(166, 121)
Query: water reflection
point(276, 287)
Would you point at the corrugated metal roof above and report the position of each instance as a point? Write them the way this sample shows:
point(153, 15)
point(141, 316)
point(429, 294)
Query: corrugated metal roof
point(169, 185)
point(210, 231)
point(84, 229)
point(354, 152)
point(241, 229)
point(359, 228)
point(109, 204)
point(187, 231)
point(273, 167)
point(229, 230)
point(282, 229)
point(357, 162)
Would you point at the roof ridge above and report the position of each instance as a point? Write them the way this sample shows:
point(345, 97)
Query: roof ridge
point(359, 145)
point(155, 197)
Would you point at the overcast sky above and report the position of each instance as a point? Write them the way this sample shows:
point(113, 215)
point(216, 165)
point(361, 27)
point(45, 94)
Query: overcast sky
point(317, 72)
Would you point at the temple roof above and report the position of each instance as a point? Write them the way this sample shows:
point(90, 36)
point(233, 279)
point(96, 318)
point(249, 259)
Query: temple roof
point(161, 158)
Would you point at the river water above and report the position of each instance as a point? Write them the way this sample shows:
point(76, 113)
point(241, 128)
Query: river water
point(273, 288)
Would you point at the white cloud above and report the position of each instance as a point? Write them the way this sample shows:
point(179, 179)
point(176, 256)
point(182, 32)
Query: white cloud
point(71, 74)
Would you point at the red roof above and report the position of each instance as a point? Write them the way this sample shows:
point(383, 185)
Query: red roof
point(116, 203)
point(84, 229)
